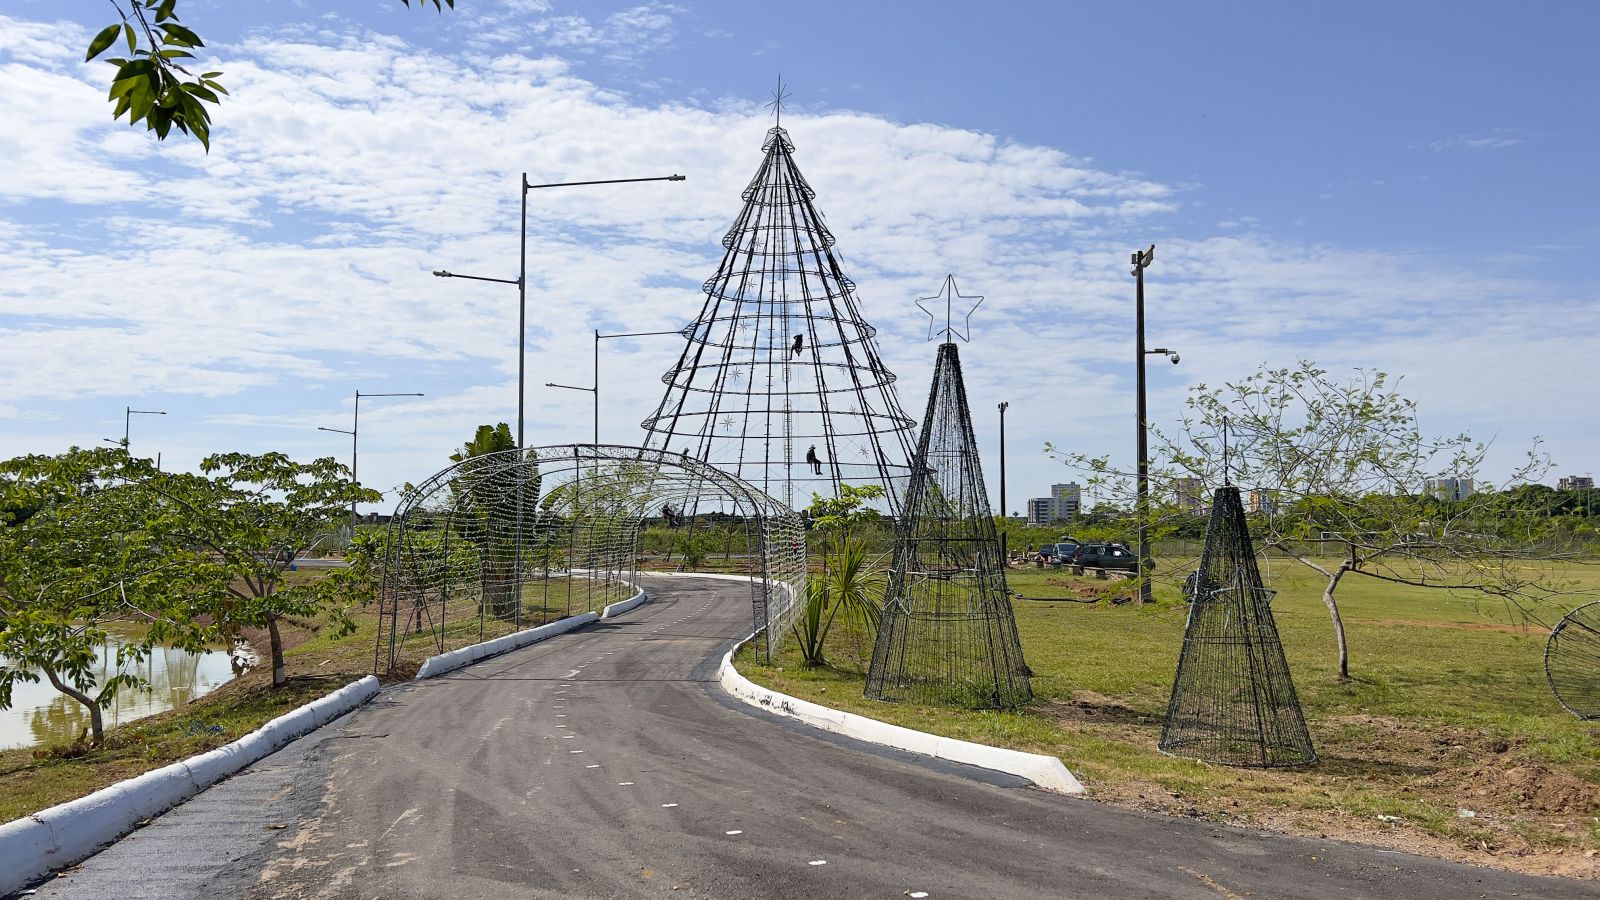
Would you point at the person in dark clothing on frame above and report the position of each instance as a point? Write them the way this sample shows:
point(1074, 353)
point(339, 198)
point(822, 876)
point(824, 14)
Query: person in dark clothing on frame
point(811, 457)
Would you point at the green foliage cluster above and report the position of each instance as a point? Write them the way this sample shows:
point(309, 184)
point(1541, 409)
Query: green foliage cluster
point(191, 558)
point(151, 84)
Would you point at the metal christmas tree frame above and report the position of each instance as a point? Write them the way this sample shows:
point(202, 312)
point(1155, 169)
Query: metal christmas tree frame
point(780, 382)
point(1233, 701)
point(1572, 661)
point(948, 634)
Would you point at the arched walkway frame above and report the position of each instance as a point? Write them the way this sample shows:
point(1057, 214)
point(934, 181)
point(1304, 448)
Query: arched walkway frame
point(507, 541)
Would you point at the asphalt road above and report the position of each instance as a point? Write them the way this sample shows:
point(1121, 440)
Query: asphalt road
point(607, 763)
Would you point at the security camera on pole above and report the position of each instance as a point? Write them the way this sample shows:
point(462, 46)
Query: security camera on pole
point(1141, 260)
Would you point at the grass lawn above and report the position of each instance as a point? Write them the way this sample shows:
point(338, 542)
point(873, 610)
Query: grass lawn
point(1448, 712)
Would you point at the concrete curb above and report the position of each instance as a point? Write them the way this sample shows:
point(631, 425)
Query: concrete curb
point(1045, 772)
point(466, 656)
point(628, 605)
point(54, 838)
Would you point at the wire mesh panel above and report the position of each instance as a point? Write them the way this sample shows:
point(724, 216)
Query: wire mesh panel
point(1572, 661)
point(510, 540)
point(948, 634)
point(1233, 701)
point(780, 382)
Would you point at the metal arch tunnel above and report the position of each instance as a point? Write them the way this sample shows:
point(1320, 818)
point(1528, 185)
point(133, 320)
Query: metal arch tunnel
point(474, 551)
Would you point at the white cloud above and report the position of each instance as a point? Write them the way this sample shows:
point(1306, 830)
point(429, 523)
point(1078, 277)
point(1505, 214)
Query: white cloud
point(345, 167)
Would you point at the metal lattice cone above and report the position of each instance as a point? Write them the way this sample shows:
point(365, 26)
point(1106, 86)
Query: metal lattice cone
point(948, 634)
point(1233, 701)
point(780, 382)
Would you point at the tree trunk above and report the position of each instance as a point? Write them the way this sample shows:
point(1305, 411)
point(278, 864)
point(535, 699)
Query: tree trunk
point(97, 727)
point(279, 674)
point(1338, 623)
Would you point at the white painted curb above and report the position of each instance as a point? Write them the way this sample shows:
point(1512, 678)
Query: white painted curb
point(1045, 772)
point(628, 605)
point(466, 656)
point(34, 846)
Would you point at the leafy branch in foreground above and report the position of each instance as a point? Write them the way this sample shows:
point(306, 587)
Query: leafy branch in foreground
point(151, 84)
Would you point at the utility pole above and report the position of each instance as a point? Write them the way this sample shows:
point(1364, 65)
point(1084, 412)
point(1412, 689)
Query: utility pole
point(1004, 555)
point(354, 432)
point(1141, 260)
point(128, 413)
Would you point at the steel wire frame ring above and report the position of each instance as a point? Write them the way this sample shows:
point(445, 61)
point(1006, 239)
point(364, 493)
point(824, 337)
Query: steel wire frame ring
point(1582, 683)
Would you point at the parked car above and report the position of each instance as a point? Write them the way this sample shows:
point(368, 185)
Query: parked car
point(1106, 556)
point(1055, 553)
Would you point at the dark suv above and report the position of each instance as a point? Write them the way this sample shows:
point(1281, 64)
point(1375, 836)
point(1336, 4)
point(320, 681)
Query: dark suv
point(1106, 556)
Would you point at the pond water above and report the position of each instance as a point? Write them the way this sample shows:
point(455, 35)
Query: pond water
point(40, 714)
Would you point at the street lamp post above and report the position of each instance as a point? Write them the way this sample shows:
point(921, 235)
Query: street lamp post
point(128, 413)
point(522, 335)
point(1003, 407)
point(354, 432)
point(521, 281)
point(598, 337)
point(595, 390)
point(1141, 261)
point(1004, 551)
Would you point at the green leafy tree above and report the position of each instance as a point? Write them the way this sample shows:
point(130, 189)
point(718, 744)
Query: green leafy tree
point(89, 551)
point(1340, 468)
point(489, 498)
point(248, 517)
point(152, 83)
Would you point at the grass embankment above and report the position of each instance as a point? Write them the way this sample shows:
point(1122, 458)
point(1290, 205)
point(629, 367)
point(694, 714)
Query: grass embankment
point(1448, 714)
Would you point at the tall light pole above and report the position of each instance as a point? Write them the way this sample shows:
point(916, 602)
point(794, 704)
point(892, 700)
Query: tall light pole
point(355, 432)
point(1004, 551)
point(1141, 261)
point(521, 281)
point(598, 337)
point(128, 413)
point(522, 334)
point(1003, 407)
point(593, 390)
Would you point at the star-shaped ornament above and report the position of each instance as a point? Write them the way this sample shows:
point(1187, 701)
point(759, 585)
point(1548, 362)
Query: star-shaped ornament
point(956, 306)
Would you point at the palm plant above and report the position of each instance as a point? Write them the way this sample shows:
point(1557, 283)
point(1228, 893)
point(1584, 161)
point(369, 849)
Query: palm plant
point(848, 584)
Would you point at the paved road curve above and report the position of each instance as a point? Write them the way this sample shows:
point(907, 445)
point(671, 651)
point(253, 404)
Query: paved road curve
point(606, 763)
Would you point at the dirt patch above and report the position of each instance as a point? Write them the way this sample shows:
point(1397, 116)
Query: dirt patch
point(1528, 786)
point(1454, 793)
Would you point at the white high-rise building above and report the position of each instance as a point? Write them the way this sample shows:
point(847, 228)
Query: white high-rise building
point(1065, 502)
point(1449, 488)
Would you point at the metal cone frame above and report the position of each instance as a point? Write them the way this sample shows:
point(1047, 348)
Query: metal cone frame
point(948, 634)
point(1233, 701)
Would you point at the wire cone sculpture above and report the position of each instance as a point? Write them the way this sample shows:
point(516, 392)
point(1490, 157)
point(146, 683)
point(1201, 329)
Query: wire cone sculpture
point(1233, 701)
point(948, 634)
point(780, 382)
point(1572, 661)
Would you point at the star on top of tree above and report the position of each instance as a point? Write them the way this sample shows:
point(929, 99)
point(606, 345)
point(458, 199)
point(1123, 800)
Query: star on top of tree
point(955, 304)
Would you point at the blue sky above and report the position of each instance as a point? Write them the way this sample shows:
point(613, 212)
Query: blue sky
point(1405, 187)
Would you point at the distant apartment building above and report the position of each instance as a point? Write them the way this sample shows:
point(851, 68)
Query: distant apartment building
point(1449, 488)
point(1190, 494)
point(1265, 502)
point(1064, 503)
point(1575, 483)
